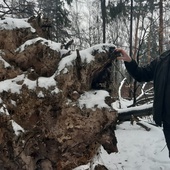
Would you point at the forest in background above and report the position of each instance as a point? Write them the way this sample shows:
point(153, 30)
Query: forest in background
point(86, 21)
point(139, 26)
point(126, 24)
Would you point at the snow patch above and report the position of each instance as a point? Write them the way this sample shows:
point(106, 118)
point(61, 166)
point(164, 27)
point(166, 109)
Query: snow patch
point(93, 99)
point(17, 128)
point(14, 23)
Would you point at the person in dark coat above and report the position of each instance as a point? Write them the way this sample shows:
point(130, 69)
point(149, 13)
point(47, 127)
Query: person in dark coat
point(157, 71)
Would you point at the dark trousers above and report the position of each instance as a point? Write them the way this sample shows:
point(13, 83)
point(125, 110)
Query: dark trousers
point(166, 130)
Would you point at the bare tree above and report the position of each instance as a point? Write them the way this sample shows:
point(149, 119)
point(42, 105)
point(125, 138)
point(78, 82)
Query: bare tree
point(103, 9)
point(160, 26)
point(20, 9)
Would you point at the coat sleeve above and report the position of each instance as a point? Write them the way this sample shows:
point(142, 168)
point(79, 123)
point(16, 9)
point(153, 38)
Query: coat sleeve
point(141, 74)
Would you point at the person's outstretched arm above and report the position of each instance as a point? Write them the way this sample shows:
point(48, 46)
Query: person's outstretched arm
point(141, 74)
point(124, 56)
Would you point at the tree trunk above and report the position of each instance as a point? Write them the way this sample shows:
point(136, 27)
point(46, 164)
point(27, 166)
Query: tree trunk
point(123, 116)
point(103, 8)
point(160, 26)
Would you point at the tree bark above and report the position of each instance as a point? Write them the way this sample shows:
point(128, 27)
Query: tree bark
point(160, 26)
point(103, 8)
point(123, 116)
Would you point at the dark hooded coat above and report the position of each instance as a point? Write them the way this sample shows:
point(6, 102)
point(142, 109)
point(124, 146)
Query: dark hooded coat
point(157, 71)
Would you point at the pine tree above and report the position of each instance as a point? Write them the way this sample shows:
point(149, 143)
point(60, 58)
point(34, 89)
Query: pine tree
point(55, 10)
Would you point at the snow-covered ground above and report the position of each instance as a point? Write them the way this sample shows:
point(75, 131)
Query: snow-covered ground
point(138, 150)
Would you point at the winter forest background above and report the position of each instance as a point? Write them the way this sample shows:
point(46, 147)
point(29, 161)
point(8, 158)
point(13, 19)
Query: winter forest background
point(85, 20)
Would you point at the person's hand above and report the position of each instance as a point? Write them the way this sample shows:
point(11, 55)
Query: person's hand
point(124, 56)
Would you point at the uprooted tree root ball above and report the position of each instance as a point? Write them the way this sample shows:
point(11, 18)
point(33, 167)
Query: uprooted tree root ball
point(47, 119)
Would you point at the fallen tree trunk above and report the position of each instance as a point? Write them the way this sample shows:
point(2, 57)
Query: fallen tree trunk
point(127, 115)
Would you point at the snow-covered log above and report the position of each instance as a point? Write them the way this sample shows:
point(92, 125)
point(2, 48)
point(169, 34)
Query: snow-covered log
point(127, 114)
